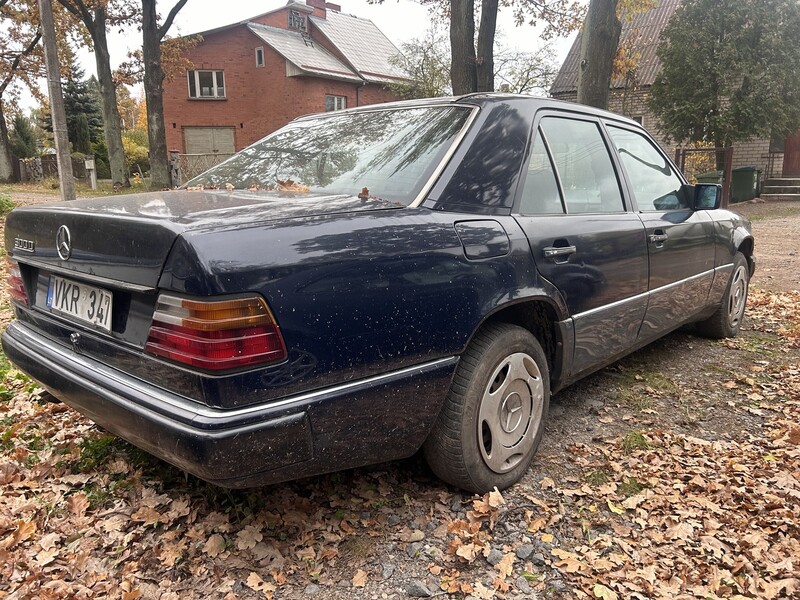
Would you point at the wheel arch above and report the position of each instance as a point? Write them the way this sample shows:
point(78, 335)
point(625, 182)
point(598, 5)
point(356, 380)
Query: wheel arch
point(745, 246)
point(540, 316)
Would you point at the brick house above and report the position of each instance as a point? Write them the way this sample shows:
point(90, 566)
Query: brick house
point(629, 95)
point(252, 77)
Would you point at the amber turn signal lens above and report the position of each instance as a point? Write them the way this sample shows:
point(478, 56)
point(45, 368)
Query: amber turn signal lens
point(215, 335)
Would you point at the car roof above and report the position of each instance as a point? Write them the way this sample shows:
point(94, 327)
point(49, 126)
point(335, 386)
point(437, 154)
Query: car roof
point(488, 98)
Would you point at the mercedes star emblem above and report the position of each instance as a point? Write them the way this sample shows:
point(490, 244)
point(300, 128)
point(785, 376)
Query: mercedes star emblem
point(64, 242)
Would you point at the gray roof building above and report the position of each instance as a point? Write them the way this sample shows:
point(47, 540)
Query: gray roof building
point(364, 46)
point(640, 35)
point(306, 56)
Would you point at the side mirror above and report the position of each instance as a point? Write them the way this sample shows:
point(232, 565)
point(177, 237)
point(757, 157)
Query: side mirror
point(707, 196)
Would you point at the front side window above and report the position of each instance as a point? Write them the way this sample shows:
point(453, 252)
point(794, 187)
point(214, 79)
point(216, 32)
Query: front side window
point(335, 103)
point(655, 185)
point(206, 84)
point(377, 155)
point(584, 165)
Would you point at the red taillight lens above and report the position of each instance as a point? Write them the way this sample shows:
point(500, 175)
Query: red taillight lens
point(215, 335)
point(16, 288)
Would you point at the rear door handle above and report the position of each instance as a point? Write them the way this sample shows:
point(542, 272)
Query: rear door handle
point(657, 238)
point(559, 252)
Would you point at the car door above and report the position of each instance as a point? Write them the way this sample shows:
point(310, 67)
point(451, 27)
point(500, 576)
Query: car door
point(680, 241)
point(583, 239)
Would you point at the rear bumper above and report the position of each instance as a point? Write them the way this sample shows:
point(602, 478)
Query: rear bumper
point(365, 422)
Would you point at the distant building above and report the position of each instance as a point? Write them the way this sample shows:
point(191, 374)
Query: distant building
point(629, 95)
point(252, 77)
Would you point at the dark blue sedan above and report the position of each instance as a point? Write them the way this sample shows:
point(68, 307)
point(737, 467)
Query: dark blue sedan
point(366, 283)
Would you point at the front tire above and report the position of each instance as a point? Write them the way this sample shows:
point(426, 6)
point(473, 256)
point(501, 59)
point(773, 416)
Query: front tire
point(727, 320)
point(493, 417)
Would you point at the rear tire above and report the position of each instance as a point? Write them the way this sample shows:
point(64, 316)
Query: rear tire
point(727, 320)
point(493, 417)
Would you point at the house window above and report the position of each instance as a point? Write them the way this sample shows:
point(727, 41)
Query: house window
point(297, 20)
point(260, 56)
point(335, 103)
point(639, 119)
point(206, 84)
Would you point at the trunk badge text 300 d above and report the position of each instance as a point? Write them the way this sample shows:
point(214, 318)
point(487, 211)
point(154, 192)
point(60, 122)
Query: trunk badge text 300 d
point(64, 242)
point(24, 245)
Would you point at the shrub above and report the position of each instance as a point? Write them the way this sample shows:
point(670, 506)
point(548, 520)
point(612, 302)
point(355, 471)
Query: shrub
point(6, 204)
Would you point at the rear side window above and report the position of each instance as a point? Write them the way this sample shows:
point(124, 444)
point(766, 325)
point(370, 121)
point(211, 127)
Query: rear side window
point(655, 185)
point(584, 166)
point(540, 194)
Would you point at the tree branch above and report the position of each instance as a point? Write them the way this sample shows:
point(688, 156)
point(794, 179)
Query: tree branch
point(79, 9)
point(162, 31)
point(15, 65)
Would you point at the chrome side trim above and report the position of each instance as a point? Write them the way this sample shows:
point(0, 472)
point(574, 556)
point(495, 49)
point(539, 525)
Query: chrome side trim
point(445, 159)
point(103, 281)
point(618, 303)
point(663, 288)
point(40, 345)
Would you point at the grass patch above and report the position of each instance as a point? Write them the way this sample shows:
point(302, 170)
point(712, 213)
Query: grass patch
point(94, 452)
point(630, 487)
point(641, 387)
point(6, 205)
point(50, 187)
point(598, 476)
point(634, 440)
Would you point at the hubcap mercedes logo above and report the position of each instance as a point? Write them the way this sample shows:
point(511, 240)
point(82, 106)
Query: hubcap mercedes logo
point(64, 242)
point(511, 411)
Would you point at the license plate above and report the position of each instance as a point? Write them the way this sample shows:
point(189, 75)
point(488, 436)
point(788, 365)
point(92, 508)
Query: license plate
point(86, 303)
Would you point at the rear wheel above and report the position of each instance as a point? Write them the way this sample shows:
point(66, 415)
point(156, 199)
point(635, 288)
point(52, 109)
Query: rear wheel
point(493, 418)
point(727, 320)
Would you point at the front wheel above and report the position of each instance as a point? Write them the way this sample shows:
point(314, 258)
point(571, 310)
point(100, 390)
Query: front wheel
point(493, 418)
point(727, 320)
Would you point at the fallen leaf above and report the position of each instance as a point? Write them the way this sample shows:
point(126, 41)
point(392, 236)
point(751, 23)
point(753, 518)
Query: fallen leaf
point(214, 545)
point(78, 504)
point(147, 515)
point(601, 591)
point(506, 565)
point(360, 578)
point(615, 508)
point(254, 582)
point(248, 537)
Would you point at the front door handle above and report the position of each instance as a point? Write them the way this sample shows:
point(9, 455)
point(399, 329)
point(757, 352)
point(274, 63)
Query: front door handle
point(559, 252)
point(658, 238)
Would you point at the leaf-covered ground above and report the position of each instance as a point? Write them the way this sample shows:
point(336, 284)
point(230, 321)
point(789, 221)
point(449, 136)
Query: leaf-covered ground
point(671, 474)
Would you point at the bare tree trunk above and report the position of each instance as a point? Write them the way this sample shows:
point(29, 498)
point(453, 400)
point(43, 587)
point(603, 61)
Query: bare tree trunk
point(152, 35)
point(154, 97)
point(485, 58)
point(462, 46)
point(599, 41)
point(6, 168)
point(66, 179)
point(108, 100)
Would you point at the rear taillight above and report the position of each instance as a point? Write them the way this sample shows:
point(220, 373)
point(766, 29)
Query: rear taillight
point(215, 335)
point(16, 287)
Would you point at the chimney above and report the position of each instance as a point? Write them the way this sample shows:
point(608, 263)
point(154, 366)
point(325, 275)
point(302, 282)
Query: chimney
point(319, 8)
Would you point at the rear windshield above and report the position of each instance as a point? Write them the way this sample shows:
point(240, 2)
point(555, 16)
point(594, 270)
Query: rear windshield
point(387, 154)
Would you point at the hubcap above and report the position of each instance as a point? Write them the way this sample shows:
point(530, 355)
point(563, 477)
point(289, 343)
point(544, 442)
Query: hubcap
point(510, 412)
point(737, 296)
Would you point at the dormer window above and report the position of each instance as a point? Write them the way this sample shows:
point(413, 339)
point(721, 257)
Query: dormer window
point(297, 20)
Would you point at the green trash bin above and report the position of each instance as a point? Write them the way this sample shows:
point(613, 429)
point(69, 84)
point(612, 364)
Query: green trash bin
point(745, 183)
point(709, 177)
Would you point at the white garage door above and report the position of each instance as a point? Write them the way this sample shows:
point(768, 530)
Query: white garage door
point(205, 148)
point(209, 140)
